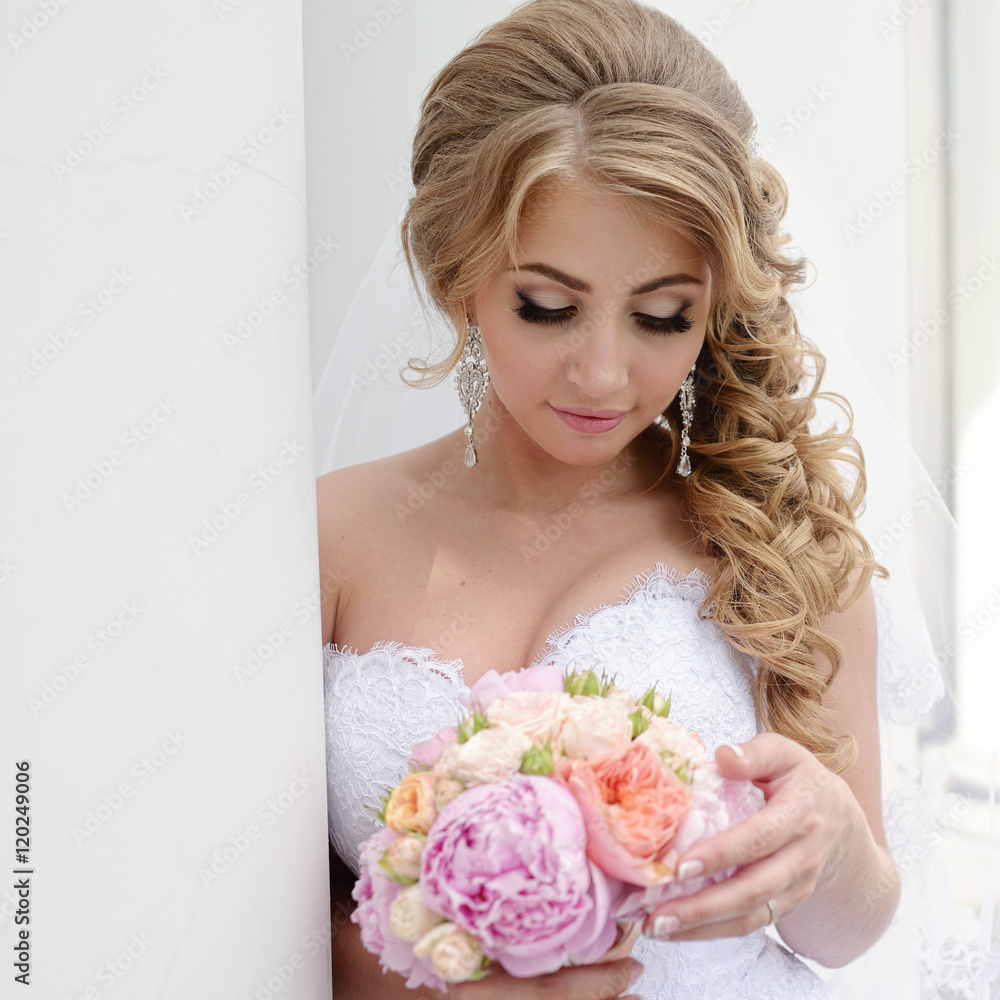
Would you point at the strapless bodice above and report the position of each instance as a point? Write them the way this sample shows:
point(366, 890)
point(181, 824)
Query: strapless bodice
point(380, 702)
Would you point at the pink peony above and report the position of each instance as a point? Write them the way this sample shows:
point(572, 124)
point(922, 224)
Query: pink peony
point(717, 803)
point(374, 892)
point(544, 677)
point(506, 862)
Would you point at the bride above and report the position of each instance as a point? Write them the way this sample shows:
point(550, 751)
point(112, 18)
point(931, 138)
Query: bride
point(590, 215)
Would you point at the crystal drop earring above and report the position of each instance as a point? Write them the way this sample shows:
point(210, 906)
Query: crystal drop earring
point(472, 378)
point(687, 411)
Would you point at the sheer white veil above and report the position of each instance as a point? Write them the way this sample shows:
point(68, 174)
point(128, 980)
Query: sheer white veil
point(935, 820)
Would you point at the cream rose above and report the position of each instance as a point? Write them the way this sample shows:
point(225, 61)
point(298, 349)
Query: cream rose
point(490, 755)
point(403, 856)
point(537, 714)
point(594, 726)
point(681, 744)
point(455, 956)
point(409, 918)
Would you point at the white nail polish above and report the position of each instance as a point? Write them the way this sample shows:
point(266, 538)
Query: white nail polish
point(690, 868)
point(736, 749)
point(664, 926)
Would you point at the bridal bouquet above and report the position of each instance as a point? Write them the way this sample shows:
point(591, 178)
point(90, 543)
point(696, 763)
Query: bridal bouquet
point(533, 831)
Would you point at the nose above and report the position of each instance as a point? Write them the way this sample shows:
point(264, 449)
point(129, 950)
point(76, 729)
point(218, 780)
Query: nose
point(597, 359)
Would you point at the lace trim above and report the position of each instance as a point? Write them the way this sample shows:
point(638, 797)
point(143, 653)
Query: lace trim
point(659, 581)
point(420, 656)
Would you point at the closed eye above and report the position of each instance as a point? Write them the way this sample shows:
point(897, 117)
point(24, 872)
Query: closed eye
point(530, 312)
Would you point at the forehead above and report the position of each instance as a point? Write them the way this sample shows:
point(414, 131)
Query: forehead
point(597, 227)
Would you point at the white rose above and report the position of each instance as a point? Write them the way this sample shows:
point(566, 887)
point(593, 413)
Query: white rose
point(616, 693)
point(403, 856)
point(490, 755)
point(445, 789)
point(595, 725)
point(666, 735)
point(537, 714)
point(409, 918)
point(454, 955)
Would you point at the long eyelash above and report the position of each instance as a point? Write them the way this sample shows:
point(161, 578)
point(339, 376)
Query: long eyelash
point(665, 324)
point(536, 314)
point(532, 313)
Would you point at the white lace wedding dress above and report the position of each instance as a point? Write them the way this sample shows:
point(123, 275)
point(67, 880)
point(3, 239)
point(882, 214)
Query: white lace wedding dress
point(380, 702)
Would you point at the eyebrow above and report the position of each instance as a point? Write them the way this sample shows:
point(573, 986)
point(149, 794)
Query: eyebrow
point(581, 286)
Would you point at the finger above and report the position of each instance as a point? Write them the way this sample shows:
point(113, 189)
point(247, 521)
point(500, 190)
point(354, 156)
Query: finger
point(748, 890)
point(757, 836)
point(762, 758)
point(604, 981)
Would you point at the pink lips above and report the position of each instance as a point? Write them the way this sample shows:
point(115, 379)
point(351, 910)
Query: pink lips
point(590, 421)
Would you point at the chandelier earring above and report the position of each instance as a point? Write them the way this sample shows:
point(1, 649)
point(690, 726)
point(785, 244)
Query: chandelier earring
point(472, 378)
point(687, 412)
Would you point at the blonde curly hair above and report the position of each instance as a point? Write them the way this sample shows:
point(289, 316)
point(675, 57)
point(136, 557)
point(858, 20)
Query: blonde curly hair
point(619, 95)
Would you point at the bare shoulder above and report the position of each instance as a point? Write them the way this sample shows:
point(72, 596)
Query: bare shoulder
point(357, 522)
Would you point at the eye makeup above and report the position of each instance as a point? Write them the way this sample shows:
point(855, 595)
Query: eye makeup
point(530, 312)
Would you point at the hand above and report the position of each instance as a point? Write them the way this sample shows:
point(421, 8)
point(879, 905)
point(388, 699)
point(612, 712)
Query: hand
point(601, 981)
point(787, 847)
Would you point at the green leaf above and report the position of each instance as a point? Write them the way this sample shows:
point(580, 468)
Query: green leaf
point(639, 723)
point(537, 760)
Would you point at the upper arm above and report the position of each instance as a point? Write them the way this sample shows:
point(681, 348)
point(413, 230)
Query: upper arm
point(852, 698)
point(332, 516)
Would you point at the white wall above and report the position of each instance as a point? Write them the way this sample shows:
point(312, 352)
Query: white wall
point(178, 824)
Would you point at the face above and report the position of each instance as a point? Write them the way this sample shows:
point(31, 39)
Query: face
point(589, 341)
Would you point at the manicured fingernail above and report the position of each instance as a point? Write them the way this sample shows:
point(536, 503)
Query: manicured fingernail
point(736, 750)
point(635, 972)
point(690, 868)
point(664, 926)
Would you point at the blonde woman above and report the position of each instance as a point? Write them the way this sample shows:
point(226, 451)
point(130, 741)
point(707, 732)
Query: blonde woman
point(637, 489)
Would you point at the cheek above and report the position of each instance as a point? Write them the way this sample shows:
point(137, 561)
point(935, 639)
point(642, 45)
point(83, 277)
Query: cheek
point(519, 365)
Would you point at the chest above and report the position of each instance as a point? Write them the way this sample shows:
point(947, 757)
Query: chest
point(492, 594)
